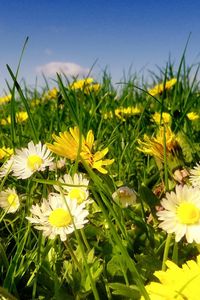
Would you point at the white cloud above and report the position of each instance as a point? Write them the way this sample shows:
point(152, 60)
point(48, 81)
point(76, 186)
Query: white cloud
point(68, 68)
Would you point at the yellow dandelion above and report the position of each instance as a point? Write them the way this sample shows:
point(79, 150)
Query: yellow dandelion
point(20, 117)
point(178, 283)
point(159, 88)
point(124, 112)
point(163, 118)
point(5, 99)
point(73, 145)
point(154, 146)
point(5, 152)
point(51, 94)
point(192, 116)
point(87, 85)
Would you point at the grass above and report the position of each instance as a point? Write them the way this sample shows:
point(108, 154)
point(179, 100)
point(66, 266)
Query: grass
point(116, 253)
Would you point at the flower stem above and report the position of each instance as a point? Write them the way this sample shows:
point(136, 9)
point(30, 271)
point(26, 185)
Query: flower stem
point(166, 250)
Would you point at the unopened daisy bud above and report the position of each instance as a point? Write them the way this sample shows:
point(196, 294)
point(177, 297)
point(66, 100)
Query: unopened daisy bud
point(124, 196)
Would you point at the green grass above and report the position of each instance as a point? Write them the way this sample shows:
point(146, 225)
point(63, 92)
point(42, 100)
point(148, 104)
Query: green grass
point(116, 253)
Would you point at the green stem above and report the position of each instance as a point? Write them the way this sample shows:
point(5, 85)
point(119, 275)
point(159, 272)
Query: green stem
point(71, 252)
point(166, 250)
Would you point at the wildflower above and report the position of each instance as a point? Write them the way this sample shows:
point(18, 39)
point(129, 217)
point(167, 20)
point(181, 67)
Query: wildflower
point(5, 152)
point(87, 85)
point(192, 116)
point(31, 159)
point(6, 168)
point(20, 117)
point(51, 94)
point(5, 99)
point(158, 89)
point(155, 146)
point(124, 196)
point(178, 283)
point(163, 118)
point(124, 112)
point(108, 115)
point(9, 200)
point(195, 175)
point(73, 145)
point(58, 216)
point(181, 214)
point(59, 164)
point(76, 187)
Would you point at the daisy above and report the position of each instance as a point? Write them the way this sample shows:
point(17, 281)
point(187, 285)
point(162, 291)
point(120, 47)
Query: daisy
point(9, 200)
point(195, 176)
point(76, 187)
point(73, 145)
point(124, 196)
point(31, 159)
point(181, 214)
point(6, 168)
point(54, 217)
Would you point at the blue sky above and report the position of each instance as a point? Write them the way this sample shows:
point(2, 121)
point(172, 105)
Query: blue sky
point(72, 35)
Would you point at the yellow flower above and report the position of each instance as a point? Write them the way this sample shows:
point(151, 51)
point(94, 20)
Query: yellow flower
point(5, 99)
point(51, 94)
point(123, 112)
point(163, 118)
point(87, 85)
point(73, 145)
point(5, 152)
point(192, 116)
point(176, 283)
point(154, 146)
point(20, 117)
point(159, 88)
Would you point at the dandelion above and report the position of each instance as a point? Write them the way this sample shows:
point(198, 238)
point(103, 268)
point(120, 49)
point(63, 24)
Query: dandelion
point(181, 214)
point(5, 152)
point(31, 159)
point(5, 99)
point(58, 217)
point(9, 200)
point(20, 117)
point(51, 94)
point(124, 196)
point(192, 116)
point(178, 283)
point(160, 88)
point(154, 146)
point(195, 176)
point(76, 187)
point(73, 145)
point(125, 112)
point(163, 118)
point(87, 85)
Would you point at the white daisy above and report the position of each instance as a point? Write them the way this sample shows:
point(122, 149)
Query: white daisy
point(76, 187)
point(181, 214)
point(9, 200)
point(31, 159)
point(6, 168)
point(195, 175)
point(124, 196)
point(53, 216)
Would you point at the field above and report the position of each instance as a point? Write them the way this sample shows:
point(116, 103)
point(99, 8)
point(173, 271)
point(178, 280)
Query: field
point(100, 188)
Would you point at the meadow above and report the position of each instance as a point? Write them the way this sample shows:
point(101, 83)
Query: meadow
point(100, 188)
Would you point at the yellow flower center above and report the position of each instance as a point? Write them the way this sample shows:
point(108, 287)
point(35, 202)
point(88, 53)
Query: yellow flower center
point(77, 194)
point(34, 162)
point(59, 218)
point(188, 213)
point(12, 200)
